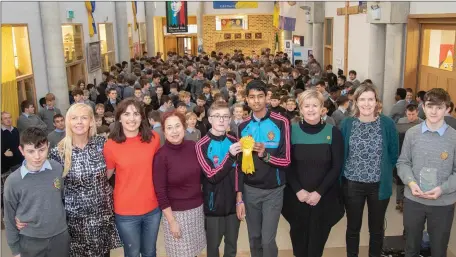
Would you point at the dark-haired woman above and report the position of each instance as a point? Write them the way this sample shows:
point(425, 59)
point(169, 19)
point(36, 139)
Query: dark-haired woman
point(177, 181)
point(130, 151)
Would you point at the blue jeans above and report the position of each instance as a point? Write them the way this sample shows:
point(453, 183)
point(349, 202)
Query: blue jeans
point(139, 233)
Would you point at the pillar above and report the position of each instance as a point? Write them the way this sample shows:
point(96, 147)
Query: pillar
point(150, 13)
point(376, 56)
point(122, 31)
point(199, 24)
point(51, 27)
point(308, 35)
point(317, 42)
point(393, 63)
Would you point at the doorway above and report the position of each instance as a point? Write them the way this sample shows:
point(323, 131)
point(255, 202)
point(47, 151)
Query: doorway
point(429, 58)
point(181, 44)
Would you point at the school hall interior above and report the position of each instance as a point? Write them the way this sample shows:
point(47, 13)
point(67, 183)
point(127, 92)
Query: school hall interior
point(46, 47)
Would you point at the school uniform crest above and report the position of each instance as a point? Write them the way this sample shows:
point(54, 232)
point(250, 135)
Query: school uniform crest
point(215, 159)
point(271, 135)
point(57, 183)
point(444, 155)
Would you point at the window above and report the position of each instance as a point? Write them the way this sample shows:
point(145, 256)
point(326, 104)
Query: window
point(438, 48)
point(73, 50)
point(22, 61)
point(328, 39)
point(108, 51)
point(142, 37)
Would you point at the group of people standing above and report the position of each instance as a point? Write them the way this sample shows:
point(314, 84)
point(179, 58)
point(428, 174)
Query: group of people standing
point(59, 203)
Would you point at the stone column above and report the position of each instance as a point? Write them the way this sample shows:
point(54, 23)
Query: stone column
point(308, 35)
point(150, 13)
point(199, 24)
point(122, 31)
point(51, 27)
point(376, 56)
point(317, 42)
point(393, 63)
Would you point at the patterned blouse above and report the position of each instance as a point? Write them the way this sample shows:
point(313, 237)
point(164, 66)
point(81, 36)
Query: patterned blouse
point(89, 202)
point(365, 152)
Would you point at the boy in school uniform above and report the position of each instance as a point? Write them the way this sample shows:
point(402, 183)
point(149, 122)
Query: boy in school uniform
point(223, 204)
point(427, 164)
point(33, 195)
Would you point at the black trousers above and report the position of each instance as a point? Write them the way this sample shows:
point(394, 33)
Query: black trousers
point(355, 196)
point(439, 221)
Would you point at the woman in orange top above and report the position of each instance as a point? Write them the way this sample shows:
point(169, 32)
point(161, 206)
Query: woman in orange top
point(130, 151)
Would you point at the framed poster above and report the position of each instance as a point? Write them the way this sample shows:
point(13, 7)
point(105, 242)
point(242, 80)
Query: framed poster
point(94, 56)
point(227, 36)
point(298, 40)
point(176, 17)
point(237, 36)
point(232, 24)
point(258, 35)
point(248, 35)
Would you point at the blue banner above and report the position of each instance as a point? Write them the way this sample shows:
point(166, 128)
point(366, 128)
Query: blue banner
point(234, 4)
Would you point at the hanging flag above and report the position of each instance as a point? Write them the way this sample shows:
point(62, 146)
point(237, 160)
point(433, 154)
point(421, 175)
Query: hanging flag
point(176, 16)
point(276, 14)
point(90, 6)
point(276, 41)
point(134, 7)
point(287, 17)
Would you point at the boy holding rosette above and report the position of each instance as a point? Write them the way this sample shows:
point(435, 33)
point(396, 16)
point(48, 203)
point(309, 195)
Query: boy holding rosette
point(428, 166)
point(217, 155)
point(265, 140)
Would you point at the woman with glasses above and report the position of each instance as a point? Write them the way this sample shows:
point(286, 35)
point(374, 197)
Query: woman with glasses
point(177, 182)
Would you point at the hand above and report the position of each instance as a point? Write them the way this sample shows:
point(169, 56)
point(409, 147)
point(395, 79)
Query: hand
point(314, 198)
point(18, 255)
point(8, 153)
point(235, 149)
point(259, 148)
point(302, 195)
point(19, 224)
point(175, 229)
point(416, 190)
point(240, 211)
point(433, 194)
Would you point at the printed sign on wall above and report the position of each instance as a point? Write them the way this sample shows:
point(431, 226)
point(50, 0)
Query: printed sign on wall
point(176, 16)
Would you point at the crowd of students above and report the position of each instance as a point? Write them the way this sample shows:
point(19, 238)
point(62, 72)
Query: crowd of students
point(161, 138)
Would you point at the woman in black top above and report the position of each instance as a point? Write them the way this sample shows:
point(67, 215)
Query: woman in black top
point(312, 201)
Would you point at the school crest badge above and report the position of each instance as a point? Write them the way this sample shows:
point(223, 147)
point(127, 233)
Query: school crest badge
point(271, 135)
point(215, 159)
point(57, 183)
point(444, 155)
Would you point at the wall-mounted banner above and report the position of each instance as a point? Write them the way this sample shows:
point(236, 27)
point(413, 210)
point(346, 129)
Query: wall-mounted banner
point(235, 4)
point(176, 16)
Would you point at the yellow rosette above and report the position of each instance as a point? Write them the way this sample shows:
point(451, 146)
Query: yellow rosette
point(247, 143)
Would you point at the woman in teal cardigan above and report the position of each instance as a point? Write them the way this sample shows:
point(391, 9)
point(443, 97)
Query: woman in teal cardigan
point(371, 149)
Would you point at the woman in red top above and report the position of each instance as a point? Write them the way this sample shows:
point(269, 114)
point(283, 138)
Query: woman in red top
point(130, 151)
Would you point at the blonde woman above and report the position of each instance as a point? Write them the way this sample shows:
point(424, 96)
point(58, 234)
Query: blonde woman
point(312, 202)
point(88, 196)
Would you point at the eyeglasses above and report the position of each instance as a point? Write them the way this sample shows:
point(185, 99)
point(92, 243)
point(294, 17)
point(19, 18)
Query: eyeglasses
point(222, 118)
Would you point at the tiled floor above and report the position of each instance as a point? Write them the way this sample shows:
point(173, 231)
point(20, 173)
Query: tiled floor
point(334, 247)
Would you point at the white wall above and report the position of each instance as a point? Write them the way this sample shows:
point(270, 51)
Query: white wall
point(301, 25)
point(358, 45)
point(432, 7)
point(29, 13)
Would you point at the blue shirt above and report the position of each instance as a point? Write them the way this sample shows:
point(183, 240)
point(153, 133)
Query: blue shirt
point(157, 125)
point(441, 130)
point(25, 114)
point(59, 130)
point(25, 171)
